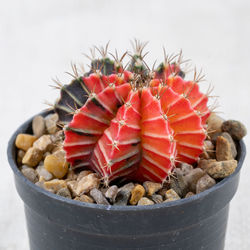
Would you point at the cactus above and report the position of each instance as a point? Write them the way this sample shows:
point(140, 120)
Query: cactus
point(137, 124)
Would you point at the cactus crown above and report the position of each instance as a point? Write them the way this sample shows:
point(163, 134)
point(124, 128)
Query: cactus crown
point(131, 121)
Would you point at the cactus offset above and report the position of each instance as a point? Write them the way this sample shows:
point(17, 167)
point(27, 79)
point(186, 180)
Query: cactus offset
point(137, 124)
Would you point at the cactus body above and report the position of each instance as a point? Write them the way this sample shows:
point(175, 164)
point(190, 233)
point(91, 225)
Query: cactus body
point(137, 127)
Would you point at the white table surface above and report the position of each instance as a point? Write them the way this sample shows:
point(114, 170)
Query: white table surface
point(39, 39)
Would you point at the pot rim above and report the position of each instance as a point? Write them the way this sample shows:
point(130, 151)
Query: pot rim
point(200, 196)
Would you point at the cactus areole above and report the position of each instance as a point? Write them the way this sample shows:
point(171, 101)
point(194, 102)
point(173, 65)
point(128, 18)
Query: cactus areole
point(134, 123)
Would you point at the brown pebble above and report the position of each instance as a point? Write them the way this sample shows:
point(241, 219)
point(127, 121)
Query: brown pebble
point(192, 177)
point(32, 157)
point(44, 143)
point(98, 196)
point(64, 192)
point(189, 194)
point(84, 198)
point(171, 195)
point(72, 187)
point(157, 198)
point(144, 201)
point(152, 187)
point(111, 193)
point(136, 194)
point(83, 174)
point(71, 175)
point(56, 164)
point(51, 123)
point(55, 185)
point(221, 169)
point(223, 149)
point(30, 174)
point(232, 143)
point(38, 126)
point(25, 141)
point(204, 183)
point(203, 163)
point(87, 183)
point(235, 128)
point(214, 123)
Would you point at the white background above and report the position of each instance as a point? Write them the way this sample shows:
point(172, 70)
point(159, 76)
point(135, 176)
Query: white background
point(39, 39)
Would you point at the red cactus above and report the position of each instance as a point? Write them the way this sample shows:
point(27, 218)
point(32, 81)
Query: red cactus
point(136, 127)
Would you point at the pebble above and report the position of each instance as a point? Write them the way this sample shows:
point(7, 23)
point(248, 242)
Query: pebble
point(57, 137)
point(151, 187)
point(98, 196)
point(232, 143)
point(136, 194)
point(171, 195)
point(51, 123)
point(30, 174)
point(87, 183)
point(55, 185)
point(157, 198)
point(20, 155)
point(56, 164)
point(204, 164)
point(24, 167)
point(179, 184)
point(84, 198)
point(223, 149)
point(72, 187)
point(32, 157)
point(25, 141)
point(192, 177)
point(111, 193)
point(235, 128)
point(38, 126)
point(189, 194)
point(71, 175)
point(64, 192)
point(221, 169)
point(123, 194)
point(42, 171)
point(144, 201)
point(214, 123)
point(185, 168)
point(44, 143)
point(209, 151)
point(204, 183)
point(83, 174)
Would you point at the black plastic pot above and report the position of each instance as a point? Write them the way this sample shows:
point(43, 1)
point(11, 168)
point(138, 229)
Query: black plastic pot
point(57, 223)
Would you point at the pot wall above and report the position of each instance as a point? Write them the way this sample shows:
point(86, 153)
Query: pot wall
point(54, 222)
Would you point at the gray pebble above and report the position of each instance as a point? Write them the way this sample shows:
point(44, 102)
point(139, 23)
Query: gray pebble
point(124, 194)
point(204, 183)
point(64, 192)
point(51, 123)
point(179, 184)
point(157, 198)
point(235, 128)
point(38, 126)
point(185, 168)
point(98, 197)
point(43, 172)
point(30, 174)
point(192, 177)
point(111, 193)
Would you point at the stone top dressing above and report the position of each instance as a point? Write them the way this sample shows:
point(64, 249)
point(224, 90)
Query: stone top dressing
point(130, 134)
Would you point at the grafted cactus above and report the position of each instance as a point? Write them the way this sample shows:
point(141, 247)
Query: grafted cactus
point(136, 123)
